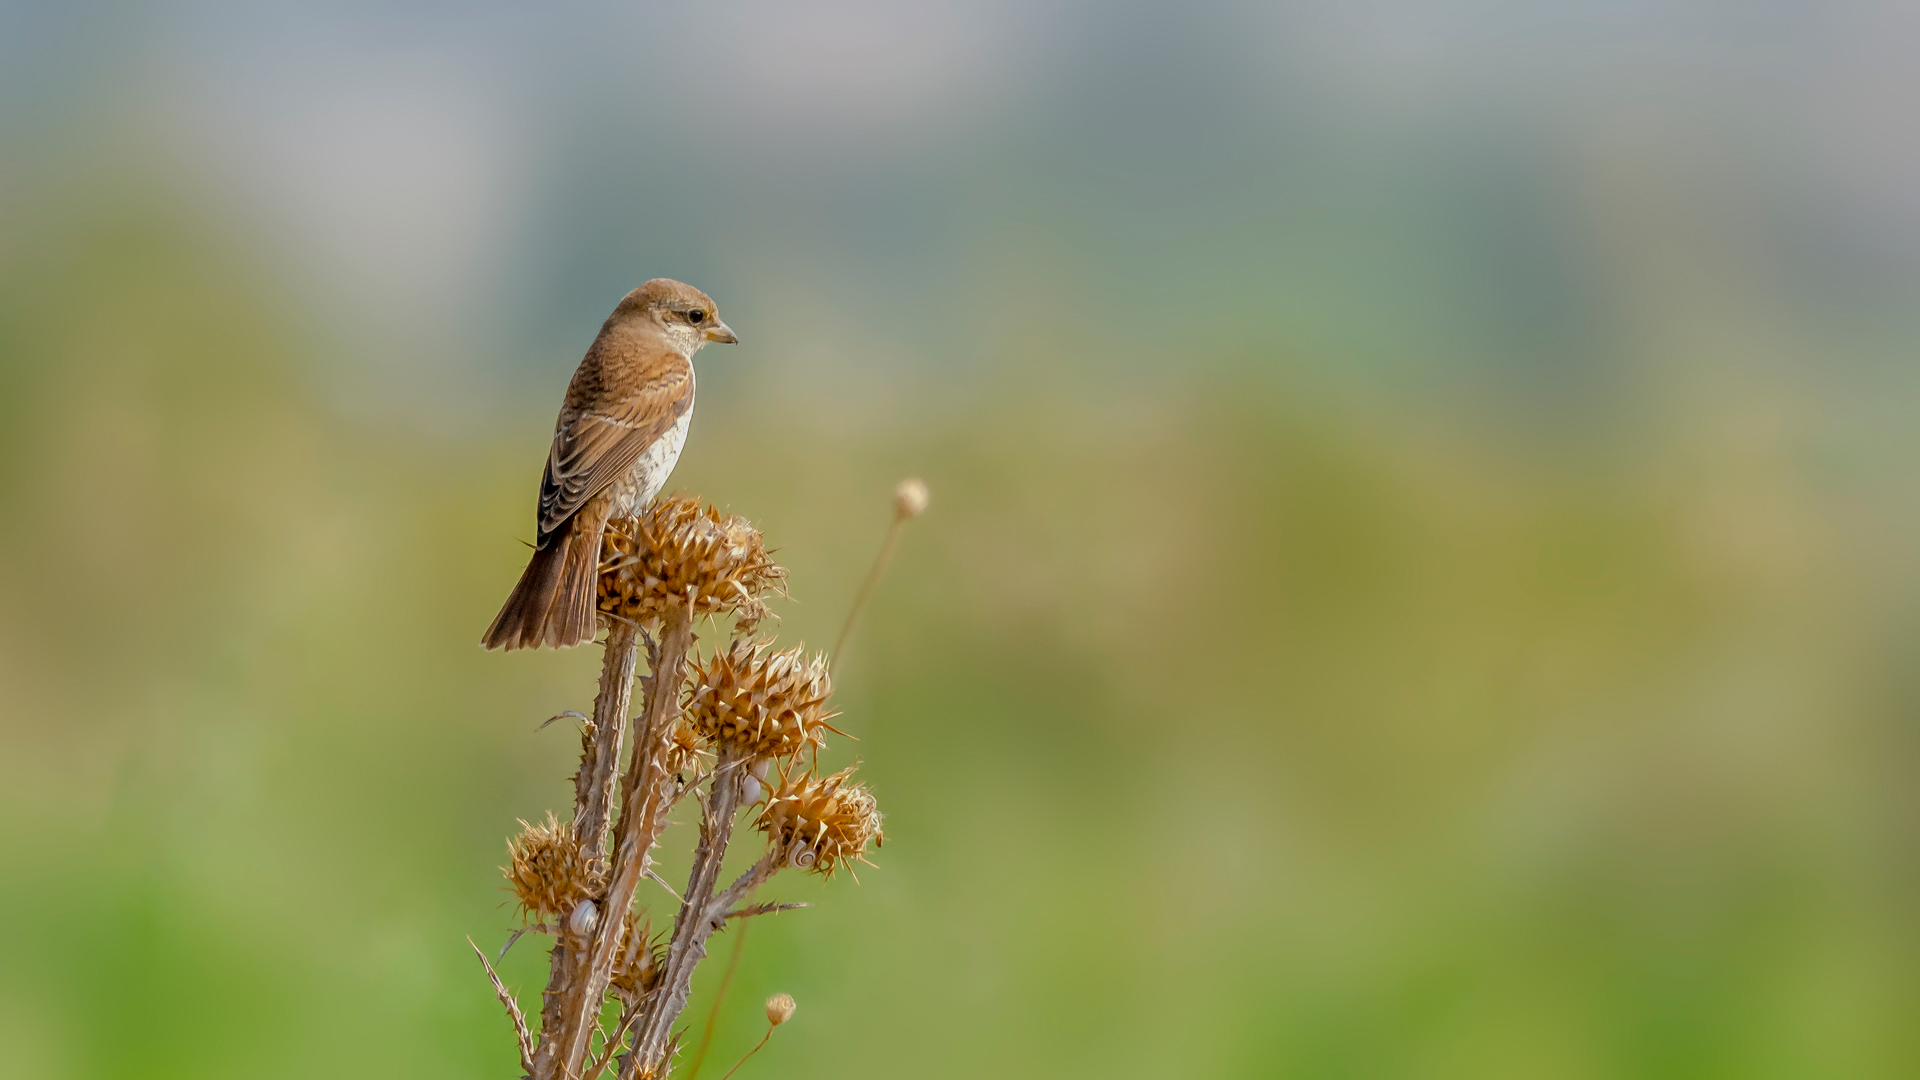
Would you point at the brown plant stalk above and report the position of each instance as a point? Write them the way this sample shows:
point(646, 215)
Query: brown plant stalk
point(566, 998)
point(641, 817)
point(701, 912)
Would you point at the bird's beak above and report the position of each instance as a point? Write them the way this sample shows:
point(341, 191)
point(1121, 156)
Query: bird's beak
point(721, 333)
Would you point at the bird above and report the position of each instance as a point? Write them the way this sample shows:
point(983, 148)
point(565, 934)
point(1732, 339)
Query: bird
point(620, 431)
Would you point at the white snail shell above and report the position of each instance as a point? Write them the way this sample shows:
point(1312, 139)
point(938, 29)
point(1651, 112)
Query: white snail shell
point(584, 918)
point(750, 788)
point(802, 857)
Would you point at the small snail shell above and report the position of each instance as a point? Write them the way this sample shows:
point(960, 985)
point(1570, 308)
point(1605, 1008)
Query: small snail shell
point(802, 857)
point(584, 918)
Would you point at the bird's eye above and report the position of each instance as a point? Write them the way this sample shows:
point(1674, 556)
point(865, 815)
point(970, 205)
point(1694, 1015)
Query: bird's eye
point(696, 316)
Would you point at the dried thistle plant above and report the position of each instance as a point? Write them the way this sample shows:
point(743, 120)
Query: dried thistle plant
point(714, 728)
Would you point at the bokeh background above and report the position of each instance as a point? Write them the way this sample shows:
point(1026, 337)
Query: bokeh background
point(1421, 579)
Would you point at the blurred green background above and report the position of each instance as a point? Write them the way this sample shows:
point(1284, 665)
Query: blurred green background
point(1420, 580)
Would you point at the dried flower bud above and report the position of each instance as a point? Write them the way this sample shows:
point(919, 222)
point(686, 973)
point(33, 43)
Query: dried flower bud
point(762, 703)
point(910, 498)
point(780, 1009)
point(820, 823)
point(683, 749)
point(677, 553)
point(549, 873)
point(638, 962)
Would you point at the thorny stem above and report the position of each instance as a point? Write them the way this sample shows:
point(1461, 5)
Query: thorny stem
point(600, 757)
point(583, 969)
point(627, 1017)
point(592, 791)
point(700, 915)
point(521, 1035)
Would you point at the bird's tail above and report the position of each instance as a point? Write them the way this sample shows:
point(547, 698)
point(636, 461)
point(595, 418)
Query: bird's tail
point(554, 603)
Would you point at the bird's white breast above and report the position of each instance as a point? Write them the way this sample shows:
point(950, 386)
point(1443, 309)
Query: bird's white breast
point(656, 463)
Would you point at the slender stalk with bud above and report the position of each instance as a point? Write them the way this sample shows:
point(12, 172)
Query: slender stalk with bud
point(779, 1010)
point(729, 730)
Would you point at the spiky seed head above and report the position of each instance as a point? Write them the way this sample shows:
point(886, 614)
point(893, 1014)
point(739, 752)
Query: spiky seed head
point(780, 1009)
point(549, 872)
point(820, 822)
point(910, 497)
point(678, 552)
point(638, 961)
point(761, 702)
point(683, 748)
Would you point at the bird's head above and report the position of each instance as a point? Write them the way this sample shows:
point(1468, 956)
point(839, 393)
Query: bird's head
point(676, 311)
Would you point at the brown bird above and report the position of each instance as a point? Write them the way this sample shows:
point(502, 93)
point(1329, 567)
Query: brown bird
point(620, 431)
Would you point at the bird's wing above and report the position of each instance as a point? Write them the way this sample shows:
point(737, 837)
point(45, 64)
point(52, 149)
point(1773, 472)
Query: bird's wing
point(594, 447)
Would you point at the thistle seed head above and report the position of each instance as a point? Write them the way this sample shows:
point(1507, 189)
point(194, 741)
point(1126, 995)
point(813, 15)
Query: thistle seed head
point(820, 822)
point(549, 872)
point(780, 1009)
point(762, 702)
point(677, 553)
point(637, 964)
